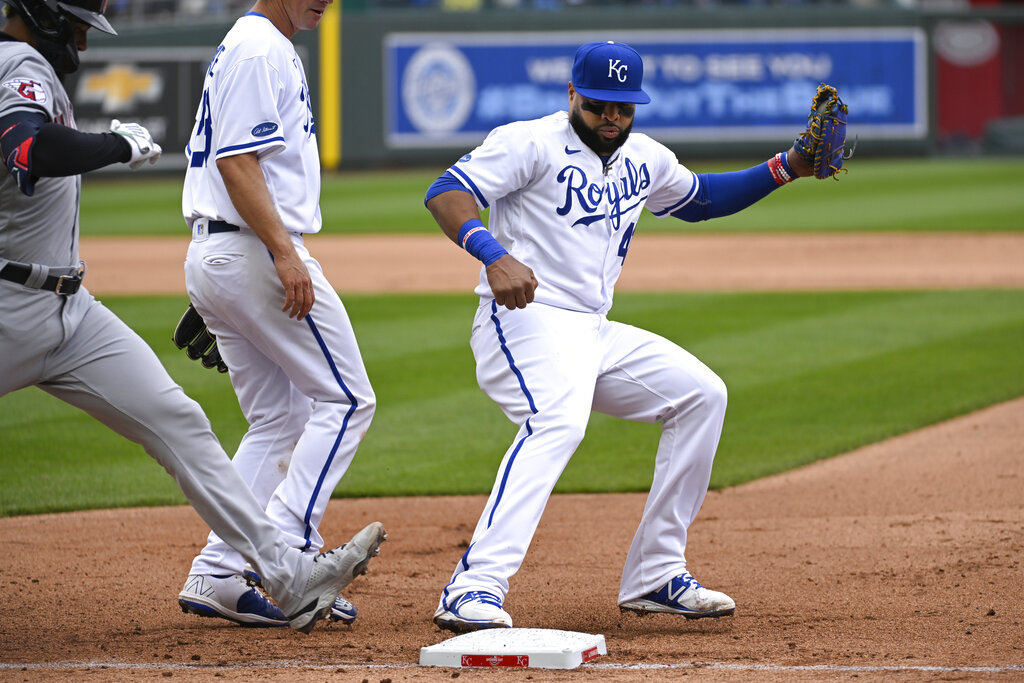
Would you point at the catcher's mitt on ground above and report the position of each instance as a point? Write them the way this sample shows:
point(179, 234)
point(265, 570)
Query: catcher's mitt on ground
point(192, 335)
point(822, 144)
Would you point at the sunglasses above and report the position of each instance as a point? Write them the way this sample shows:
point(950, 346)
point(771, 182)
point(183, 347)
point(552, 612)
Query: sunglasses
point(596, 107)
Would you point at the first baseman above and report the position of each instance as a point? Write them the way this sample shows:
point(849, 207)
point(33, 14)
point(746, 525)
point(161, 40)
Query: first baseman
point(251, 194)
point(565, 193)
point(56, 336)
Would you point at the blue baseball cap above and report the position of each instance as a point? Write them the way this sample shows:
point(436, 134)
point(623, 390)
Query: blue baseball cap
point(609, 72)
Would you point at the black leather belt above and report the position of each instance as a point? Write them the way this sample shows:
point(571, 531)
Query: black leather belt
point(60, 284)
point(221, 226)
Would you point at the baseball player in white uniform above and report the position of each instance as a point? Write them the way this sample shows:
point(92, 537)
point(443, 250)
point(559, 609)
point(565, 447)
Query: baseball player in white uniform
point(252, 190)
point(56, 336)
point(565, 193)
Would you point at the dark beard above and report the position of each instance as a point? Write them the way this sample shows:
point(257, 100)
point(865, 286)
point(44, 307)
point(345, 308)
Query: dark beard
point(593, 140)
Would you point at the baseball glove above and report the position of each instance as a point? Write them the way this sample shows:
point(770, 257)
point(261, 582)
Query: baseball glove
point(822, 144)
point(192, 335)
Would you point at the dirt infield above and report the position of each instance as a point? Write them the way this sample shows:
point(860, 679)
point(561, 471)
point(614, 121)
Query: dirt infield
point(902, 560)
point(655, 262)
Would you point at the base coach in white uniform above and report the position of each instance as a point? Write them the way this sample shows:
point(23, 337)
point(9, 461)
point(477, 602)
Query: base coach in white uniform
point(252, 191)
point(56, 336)
point(565, 193)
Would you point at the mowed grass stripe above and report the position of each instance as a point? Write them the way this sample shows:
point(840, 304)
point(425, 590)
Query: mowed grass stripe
point(877, 195)
point(810, 375)
point(891, 195)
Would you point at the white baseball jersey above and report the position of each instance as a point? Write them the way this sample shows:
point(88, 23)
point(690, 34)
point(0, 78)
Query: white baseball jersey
point(301, 384)
point(561, 210)
point(556, 207)
point(274, 118)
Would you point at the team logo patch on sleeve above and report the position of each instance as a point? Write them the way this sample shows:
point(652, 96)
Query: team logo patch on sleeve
point(264, 129)
point(27, 88)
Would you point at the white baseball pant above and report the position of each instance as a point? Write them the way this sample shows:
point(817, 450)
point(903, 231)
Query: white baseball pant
point(301, 384)
point(547, 368)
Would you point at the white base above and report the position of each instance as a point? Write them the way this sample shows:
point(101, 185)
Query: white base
point(539, 648)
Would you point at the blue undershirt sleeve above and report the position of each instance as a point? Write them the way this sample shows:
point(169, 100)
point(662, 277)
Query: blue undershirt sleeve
point(722, 194)
point(445, 182)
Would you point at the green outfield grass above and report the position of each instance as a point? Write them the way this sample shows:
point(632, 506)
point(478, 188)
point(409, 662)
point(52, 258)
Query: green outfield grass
point(810, 375)
point(877, 195)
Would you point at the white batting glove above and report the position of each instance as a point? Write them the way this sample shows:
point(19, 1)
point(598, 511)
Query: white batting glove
point(141, 142)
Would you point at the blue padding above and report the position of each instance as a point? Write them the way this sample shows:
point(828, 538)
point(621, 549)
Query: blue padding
point(445, 182)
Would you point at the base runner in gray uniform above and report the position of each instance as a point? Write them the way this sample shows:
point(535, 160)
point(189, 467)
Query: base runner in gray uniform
point(56, 336)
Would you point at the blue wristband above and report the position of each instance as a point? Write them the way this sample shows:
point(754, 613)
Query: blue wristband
point(475, 239)
point(471, 224)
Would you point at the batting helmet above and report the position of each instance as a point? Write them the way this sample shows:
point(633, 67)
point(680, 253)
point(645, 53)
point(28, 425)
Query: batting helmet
point(50, 23)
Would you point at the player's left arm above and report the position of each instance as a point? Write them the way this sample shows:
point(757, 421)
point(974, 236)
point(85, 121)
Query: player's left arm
point(723, 194)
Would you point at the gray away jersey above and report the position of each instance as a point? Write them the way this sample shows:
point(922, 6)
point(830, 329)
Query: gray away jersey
point(42, 228)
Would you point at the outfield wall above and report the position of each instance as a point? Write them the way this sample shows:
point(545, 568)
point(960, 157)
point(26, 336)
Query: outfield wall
point(423, 86)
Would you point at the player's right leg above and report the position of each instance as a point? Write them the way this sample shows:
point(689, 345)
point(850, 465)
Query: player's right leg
point(648, 378)
point(89, 371)
point(538, 365)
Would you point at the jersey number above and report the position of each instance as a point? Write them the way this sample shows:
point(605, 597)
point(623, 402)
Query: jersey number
point(627, 237)
point(200, 144)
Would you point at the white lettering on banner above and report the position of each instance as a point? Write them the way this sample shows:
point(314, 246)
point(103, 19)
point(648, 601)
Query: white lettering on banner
point(715, 98)
point(701, 104)
point(742, 67)
point(680, 67)
point(721, 102)
point(877, 100)
point(735, 67)
point(798, 65)
point(551, 70)
point(500, 104)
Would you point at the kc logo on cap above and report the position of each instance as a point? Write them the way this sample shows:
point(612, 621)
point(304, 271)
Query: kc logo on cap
point(619, 69)
point(609, 72)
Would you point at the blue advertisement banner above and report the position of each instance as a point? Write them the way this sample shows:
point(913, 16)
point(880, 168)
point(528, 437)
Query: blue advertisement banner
point(451, 89)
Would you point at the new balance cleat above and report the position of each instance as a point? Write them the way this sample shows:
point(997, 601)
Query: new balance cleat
point(228, 597)
point(342, 610)
point(472, 611)
point(683, 595)
point(332, 572)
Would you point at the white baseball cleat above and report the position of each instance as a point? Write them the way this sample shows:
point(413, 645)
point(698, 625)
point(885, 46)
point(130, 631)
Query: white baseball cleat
point(472, 611)
point(228, 597)
point(332, 572)
point(344, 611)
point(683, 595)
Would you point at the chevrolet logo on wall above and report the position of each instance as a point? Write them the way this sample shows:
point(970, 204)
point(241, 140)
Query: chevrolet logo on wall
point(119, 87)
